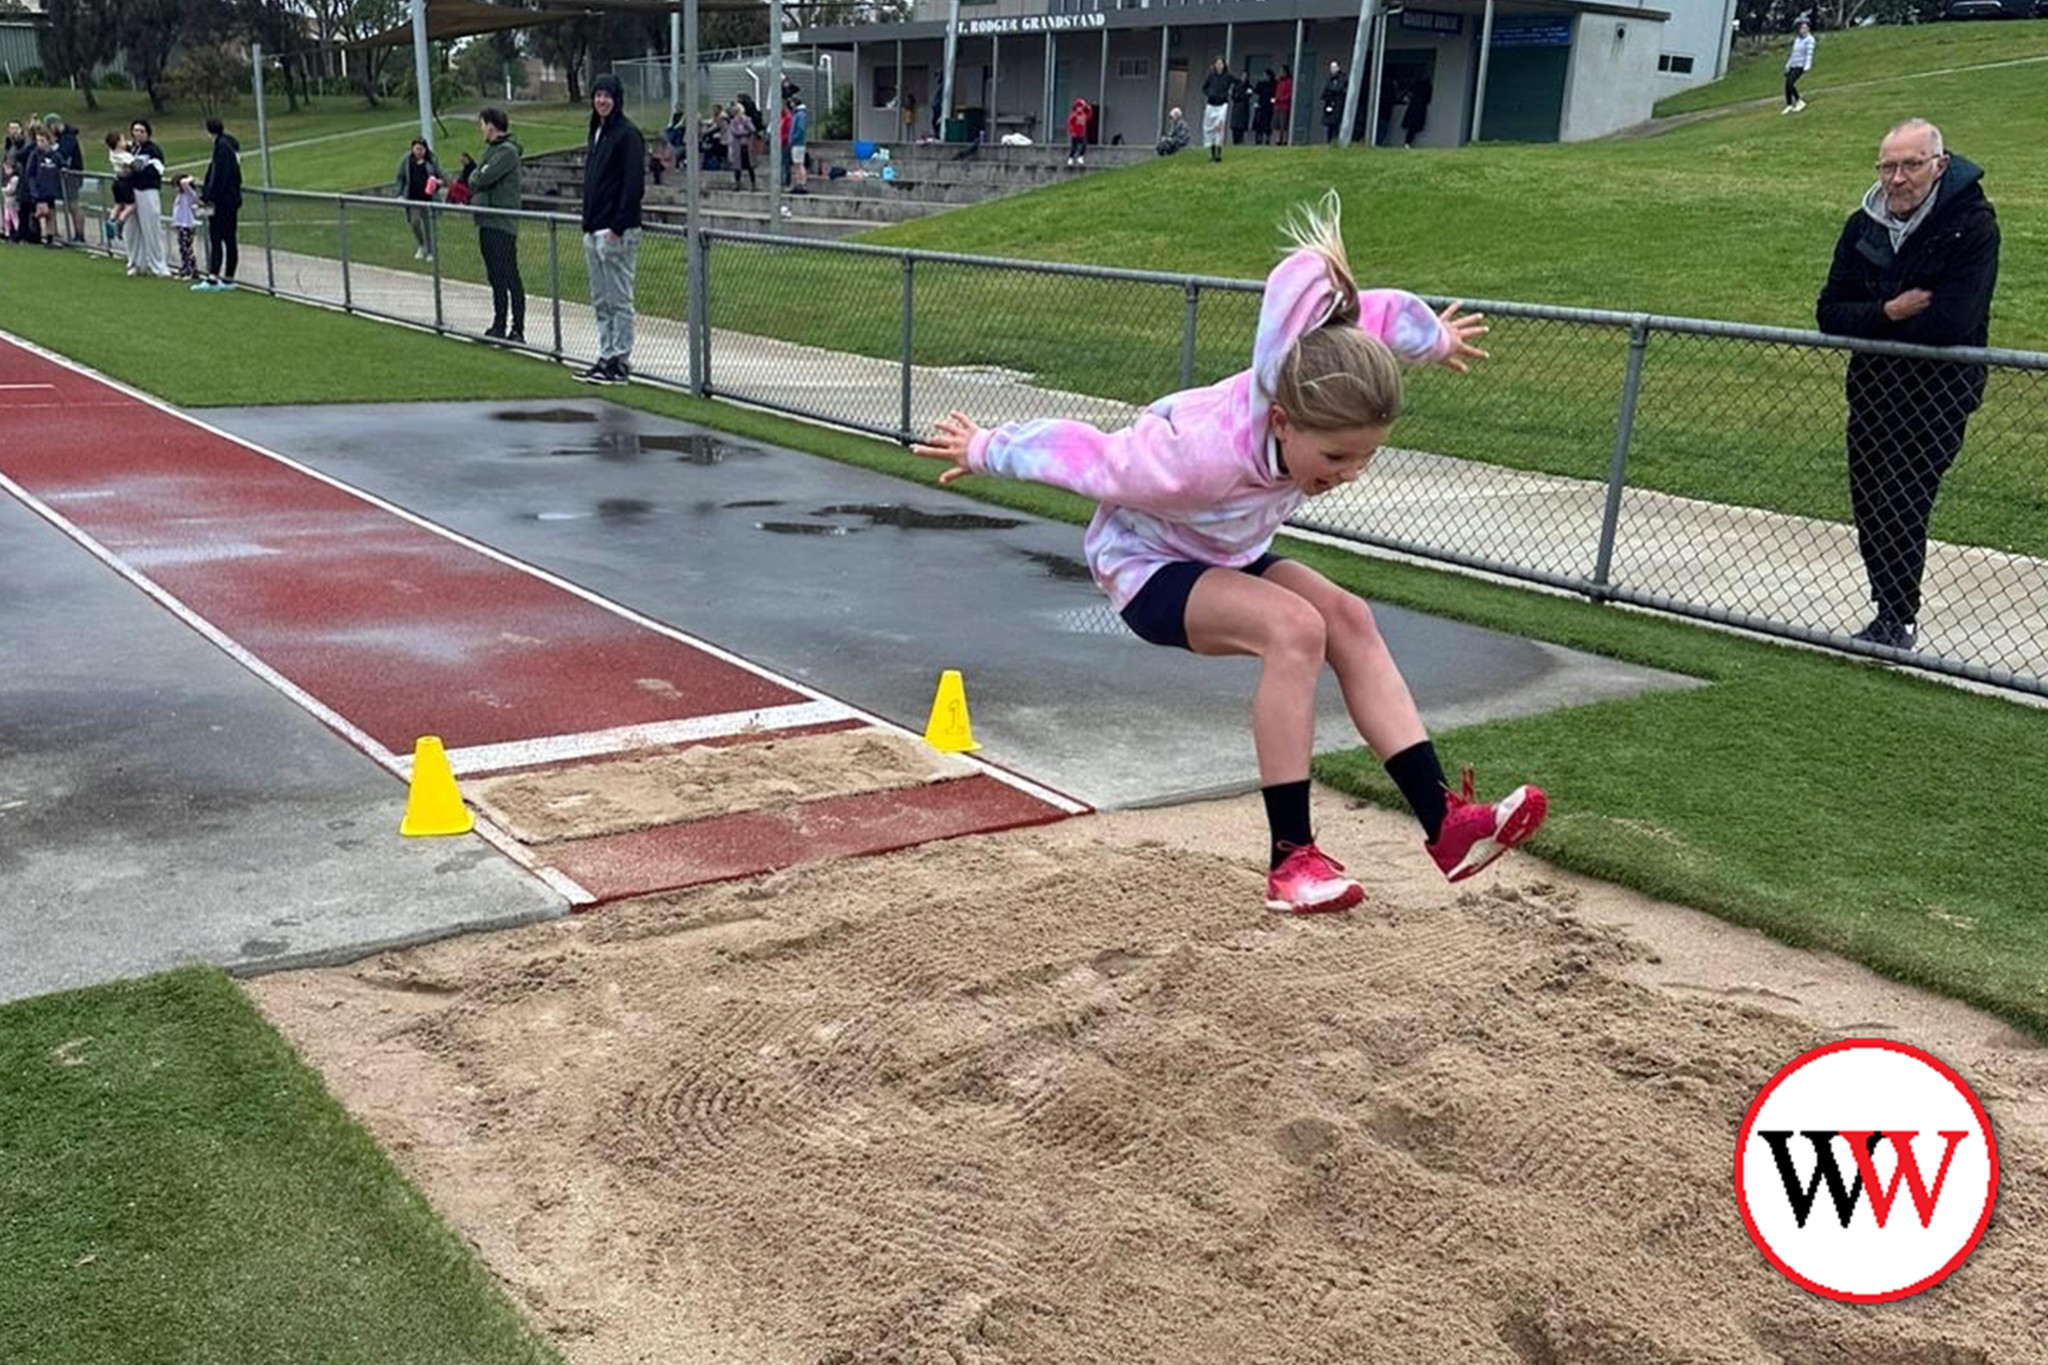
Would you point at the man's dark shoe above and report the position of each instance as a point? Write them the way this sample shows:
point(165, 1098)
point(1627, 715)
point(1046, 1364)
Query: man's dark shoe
point(1892, 634)
point(517, 336)
point(600, 373)
point(622, 373)
point(494, 332)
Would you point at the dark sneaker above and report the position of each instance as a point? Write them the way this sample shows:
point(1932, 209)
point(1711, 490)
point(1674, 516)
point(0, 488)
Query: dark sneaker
point(1473, 835)
point(494, 332)
point(517, 336)
point(1891, 634)
point(600, 373)
point(622, 373)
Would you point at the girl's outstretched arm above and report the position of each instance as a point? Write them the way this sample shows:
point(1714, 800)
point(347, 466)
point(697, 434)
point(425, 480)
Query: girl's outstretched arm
point(1141, 466)
point(1419, 335)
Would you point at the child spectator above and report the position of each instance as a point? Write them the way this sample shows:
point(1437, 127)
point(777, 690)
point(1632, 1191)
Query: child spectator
point(120, 158)
point(185, 218)
point(10, 187)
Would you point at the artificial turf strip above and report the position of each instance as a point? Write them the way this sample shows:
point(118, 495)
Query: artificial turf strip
point(176, 1186)
point(1827, 801)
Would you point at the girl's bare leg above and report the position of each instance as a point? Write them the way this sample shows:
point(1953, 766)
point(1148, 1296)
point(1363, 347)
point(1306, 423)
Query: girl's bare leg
point(1235, 613)
point(1375, 693)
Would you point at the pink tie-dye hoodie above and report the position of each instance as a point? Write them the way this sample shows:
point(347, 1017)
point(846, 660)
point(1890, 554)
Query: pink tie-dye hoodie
point(1196, 476)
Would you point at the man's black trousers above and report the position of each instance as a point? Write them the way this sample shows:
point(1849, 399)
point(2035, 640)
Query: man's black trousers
point(1898, 452)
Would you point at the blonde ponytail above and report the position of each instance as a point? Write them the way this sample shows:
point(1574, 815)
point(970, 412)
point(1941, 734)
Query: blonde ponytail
point(1319, 228)
point(1336, 377)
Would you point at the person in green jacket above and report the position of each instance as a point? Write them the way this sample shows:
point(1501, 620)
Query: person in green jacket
point(494, 184)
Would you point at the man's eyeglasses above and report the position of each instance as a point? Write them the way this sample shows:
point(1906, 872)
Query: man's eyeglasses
point(1887, 169)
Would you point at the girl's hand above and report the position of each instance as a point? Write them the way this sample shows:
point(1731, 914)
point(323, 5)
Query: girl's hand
point(955, 433)
point(1464, 331)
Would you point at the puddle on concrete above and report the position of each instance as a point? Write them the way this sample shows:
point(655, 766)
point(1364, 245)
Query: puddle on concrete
point(752, 502)
point(543, 415)
point(913, 519)
point(694, 448)
point(697, 447)
point(1063, 567)
point(609, 509)
point(804, 528)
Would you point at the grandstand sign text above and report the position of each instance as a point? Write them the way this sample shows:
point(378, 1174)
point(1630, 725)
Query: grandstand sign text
point(1033, 23)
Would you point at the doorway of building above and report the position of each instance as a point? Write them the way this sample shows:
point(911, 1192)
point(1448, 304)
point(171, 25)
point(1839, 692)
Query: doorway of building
point(1410, 75)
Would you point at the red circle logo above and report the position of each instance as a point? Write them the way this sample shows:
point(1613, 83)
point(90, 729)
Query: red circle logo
point(1866, 1171)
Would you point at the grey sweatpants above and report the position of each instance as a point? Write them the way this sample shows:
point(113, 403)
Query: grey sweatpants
point(611, 261)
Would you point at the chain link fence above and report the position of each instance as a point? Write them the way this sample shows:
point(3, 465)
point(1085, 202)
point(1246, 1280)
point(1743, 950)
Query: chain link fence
point(1876, 498)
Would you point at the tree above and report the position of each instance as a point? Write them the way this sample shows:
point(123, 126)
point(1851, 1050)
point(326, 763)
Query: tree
point(77, 38)
point(488, 62)
point(147, 31)
point(209, 77)
point(360, 19)
point(565, 45)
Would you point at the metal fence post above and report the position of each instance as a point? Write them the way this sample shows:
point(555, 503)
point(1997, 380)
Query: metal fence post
point(341, 241)
point(909, 336)
point(555, 280)
point(269, 259)
point(1187, 336)
point(1617, 465)
point(434, 259)
point(693, 308)
point(700, 283)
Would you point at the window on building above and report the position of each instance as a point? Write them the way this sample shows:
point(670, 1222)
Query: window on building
point(1675, 64)
point(885, 87)
point(1133, 68)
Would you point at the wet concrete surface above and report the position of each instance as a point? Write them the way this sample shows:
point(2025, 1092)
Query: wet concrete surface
point(161, 805)
point(866, 587)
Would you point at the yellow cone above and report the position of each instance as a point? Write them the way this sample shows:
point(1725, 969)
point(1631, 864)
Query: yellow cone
point(433, 806)
point(948, 730)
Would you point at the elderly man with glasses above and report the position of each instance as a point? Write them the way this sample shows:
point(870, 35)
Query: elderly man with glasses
point(1916, 263)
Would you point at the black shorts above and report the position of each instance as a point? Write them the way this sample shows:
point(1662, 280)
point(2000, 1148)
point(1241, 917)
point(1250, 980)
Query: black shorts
point(1159, 613)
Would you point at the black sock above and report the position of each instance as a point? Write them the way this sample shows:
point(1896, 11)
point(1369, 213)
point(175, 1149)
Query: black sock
point(1420, 777)
point(1287, 817)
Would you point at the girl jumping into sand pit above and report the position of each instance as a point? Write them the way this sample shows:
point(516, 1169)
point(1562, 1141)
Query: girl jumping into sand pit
point(1191, 497)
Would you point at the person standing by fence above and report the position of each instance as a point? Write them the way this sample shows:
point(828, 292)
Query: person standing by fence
point(222, 193)
point(146, 174)
point(70, 175)
point(1216, 108)
point(1916, 263)
point(614, 181)
point(1335, 90)
point(1797, 65)
point(495, 184)
point(419, 176)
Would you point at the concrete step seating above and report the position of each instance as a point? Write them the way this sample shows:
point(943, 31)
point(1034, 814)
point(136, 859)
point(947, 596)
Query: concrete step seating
point(930, 177)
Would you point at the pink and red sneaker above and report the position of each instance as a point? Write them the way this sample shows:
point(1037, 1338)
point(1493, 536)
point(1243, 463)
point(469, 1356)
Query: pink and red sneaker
point(1310, 882)
point(1474, 835)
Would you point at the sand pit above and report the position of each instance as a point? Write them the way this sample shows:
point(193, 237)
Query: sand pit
point(1068, 1095)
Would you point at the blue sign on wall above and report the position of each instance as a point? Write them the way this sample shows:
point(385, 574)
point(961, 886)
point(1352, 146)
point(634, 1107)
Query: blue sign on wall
point(1542, 30)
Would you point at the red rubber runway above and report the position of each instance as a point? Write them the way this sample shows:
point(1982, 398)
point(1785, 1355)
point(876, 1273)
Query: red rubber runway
point(390, 629)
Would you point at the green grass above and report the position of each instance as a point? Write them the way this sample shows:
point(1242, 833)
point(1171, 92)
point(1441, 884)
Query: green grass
point(1830, 803)
point(360, 147)
point(1757, 71)
point(176, 1186)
